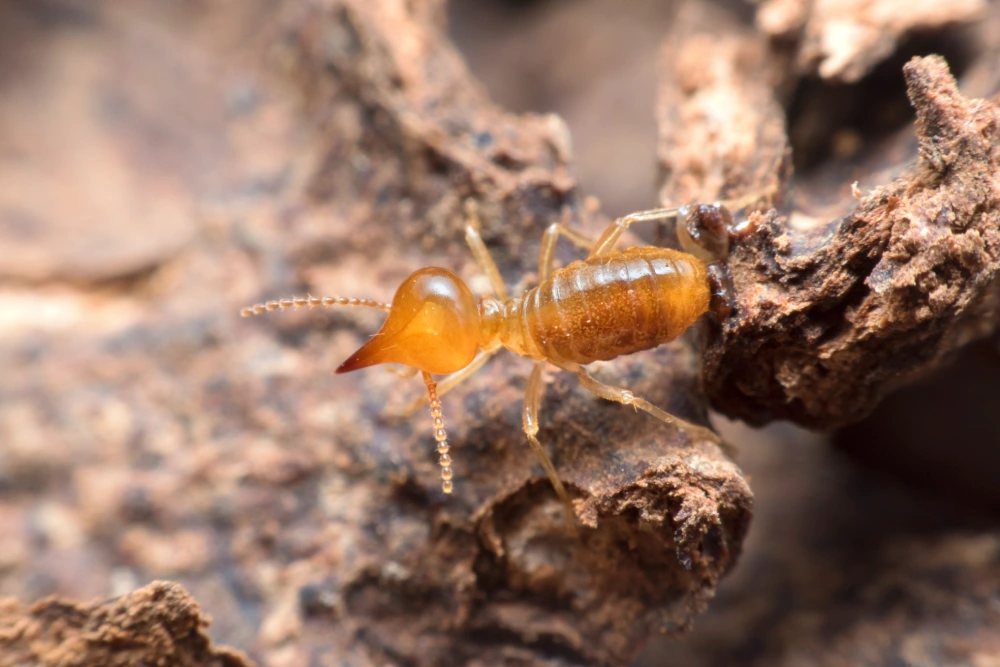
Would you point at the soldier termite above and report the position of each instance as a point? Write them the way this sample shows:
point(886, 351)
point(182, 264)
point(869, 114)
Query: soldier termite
point(612, 303)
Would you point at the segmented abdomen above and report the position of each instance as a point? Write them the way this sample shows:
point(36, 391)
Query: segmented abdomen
point(620, 303)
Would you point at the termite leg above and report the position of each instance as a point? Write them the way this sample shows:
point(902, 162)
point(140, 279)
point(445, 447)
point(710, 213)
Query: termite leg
point(489, 267)
point(626, 397)
point(618, 227)
point(547, 250)
point(702, 230)
point(452, 381)
point(532, 402)
point(481, 252)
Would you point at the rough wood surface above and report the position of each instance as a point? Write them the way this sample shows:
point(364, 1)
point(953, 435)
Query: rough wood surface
point(833, 311)
point(270, 149)
point(155, 625)
point(834, 315)
point(842, 40)
point(221, 451)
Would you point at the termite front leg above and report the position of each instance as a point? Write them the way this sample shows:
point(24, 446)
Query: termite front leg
point(626, 397)
point(452, 381)
point(532, 402)
point(481, 252)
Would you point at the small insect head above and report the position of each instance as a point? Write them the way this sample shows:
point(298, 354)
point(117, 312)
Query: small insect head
point(433, 326)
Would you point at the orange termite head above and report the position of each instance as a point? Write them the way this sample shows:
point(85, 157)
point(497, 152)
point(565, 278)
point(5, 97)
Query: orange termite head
point(433, 326)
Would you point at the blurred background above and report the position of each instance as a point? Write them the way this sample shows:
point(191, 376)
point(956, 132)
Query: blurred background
point(139, 143)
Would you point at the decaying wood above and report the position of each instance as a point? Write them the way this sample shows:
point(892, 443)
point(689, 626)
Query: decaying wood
point(833, 315)
point(842, 40)
point(149, 432)
point(665, 514)
point(832, 312)
point(310, 478)
point(157, 624)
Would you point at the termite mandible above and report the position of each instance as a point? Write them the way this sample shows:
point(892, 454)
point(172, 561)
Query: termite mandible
point(613, 303)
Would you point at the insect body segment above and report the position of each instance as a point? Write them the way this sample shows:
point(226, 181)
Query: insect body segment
point(610, 304)
point(623, 302)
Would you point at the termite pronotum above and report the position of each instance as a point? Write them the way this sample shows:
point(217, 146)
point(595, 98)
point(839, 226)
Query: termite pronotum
point(612, 303)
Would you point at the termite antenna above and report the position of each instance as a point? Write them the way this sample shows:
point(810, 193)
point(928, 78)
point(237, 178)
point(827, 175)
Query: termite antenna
point(310, 302)
point(439, 434)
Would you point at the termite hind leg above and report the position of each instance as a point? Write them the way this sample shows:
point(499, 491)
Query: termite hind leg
point(481, 252)
point(532, 402)
point(618, 227)
point(626, 397)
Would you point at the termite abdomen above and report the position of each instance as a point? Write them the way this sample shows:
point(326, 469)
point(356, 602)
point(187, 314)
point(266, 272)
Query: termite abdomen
point(616, 304)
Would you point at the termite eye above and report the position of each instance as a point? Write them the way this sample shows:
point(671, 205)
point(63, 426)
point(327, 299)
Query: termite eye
point(433, 325)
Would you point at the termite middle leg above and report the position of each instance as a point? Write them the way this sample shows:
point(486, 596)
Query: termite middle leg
point(547, 250)
point(626, 397)
point(532, 402)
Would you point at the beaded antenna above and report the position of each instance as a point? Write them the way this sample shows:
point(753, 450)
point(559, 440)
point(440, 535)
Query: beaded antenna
point(444, 459)
point(374, 353)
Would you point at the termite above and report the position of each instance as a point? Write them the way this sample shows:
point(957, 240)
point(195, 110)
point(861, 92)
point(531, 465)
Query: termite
point(613, 303)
